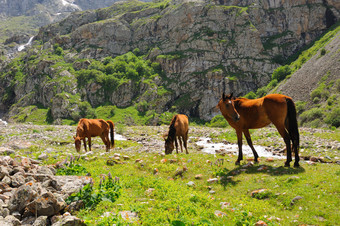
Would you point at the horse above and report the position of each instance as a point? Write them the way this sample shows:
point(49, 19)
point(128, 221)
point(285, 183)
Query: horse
point(243, 114)
point(92, 128)
point(179, 127)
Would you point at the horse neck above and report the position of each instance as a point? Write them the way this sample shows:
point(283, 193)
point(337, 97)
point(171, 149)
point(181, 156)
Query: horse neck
point(172, 132)
point(80, 130)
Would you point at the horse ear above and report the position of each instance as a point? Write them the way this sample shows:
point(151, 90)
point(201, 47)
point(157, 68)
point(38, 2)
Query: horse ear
point(223, 96)
point(231, 95)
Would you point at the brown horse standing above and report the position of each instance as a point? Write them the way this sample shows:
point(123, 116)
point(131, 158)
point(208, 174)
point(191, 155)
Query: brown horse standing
point(244, 114)
point(92, 128)
point(179, 127)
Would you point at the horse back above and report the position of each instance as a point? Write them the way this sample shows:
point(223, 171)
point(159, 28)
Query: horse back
point(93, 127)
point(181, 124)
point(276, 107)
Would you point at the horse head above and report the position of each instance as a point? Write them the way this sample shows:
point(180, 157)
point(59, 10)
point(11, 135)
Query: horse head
point(169, 146)
point(227, 108)
point(77, 142)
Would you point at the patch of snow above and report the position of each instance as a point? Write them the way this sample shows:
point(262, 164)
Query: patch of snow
point(119, 137)
point(213, 148)
point(65, 3)
point(22, 47)
point(3, 123)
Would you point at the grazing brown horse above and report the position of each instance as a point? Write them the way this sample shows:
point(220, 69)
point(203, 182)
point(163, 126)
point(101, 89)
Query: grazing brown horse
point(92, 128)
point(179, 128)
point(243, 114)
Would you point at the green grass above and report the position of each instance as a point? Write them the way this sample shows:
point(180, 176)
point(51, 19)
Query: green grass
point(173, 201)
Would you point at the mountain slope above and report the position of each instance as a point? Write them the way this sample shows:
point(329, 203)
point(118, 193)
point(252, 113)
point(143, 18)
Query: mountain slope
point(196, 49)
point(316, 85)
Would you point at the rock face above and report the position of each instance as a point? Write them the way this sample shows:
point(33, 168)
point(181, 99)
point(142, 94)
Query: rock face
point(204, 47)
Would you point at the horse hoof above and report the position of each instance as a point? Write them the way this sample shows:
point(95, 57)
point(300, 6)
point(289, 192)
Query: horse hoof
point(287, 164)
point(296, 165)
point(237, 163)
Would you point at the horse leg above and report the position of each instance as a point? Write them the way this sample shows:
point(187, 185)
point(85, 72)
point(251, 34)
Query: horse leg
point(89, 140)
point(84, 144)
point(106, 142)
point(176, 144)
point(286, 139)
point(297, 158)
point(185, 140)
point(180, 143)
point(239, 143)
point(250, 143)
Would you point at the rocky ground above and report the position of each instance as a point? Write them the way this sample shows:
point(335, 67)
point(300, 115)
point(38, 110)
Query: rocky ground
point(31, 193)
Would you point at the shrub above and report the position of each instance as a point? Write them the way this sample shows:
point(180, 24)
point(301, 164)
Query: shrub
point(218, 121)
point(300, 106)
point(312, 114)
point(322, 52)
point(281, 73)
point(142, 106)
point(107, 190)
point(316, 100)
point(315, 93)
point(261, 92)
point(333, 118)
point(250, 95)
point(86, 110)
point(337, 85)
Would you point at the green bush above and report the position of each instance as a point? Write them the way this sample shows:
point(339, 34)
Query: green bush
point(311, 115)
point(281, 73)
point(300, 106)
point(107, 190)
point(261, 92)
point(218, 121)
point(322, 51)
point(250, 95)
point(315, 93)
point(333, 118)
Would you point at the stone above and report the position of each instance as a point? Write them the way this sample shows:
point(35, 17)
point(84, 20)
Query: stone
point(269, 159)
point(129, 216)
point(295, 199)
point(198, 176)
point(149, 191)
point(219, 213)
point(45, 205)
point(69, 220)
point(212, 180)
point(260, 223)
point(224, 205)
point(191, 184)
point(6, 151)
point(14, 221)
point(75, 206)
point(21, 197)
point(253, 193)
point(3, 172)
point(40, 221)
point(4, 212)
point(43, 156)
point(17, 179)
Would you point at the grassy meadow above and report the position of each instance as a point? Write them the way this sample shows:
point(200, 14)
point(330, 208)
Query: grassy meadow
point(193, 189)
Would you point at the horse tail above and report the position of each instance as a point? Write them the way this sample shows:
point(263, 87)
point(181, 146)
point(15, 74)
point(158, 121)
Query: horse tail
point(112, 127)
point(292, 125)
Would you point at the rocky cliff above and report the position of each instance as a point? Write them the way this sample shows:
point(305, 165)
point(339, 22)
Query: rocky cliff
point(203, 47)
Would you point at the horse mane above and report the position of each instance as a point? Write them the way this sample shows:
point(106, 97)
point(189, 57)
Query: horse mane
point(172, 129)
